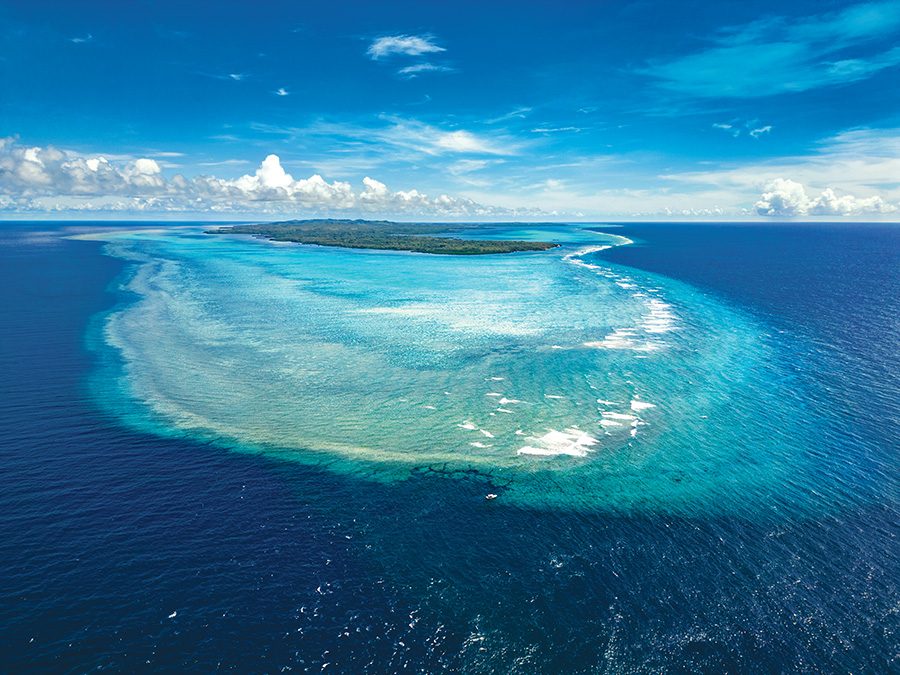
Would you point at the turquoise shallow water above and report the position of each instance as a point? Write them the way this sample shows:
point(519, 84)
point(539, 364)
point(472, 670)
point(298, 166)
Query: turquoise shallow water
point(562, 379)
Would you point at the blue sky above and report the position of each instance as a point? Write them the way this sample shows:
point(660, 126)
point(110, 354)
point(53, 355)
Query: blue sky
point(580, 110)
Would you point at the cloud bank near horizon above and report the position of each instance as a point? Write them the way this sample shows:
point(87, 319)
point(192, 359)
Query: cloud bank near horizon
point(35, 179)
point(46, 180)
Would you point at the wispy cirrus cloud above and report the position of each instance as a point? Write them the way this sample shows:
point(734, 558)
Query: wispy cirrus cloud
point(516, 113)
point(420, 68)
point(727, 126)
point(555, 130)
point(432, 140)
point(736, 128)
point(226, 162)
point(228, 77)
point(408, 45)
point(463, 167)
point(392, 133)
point(779, 55)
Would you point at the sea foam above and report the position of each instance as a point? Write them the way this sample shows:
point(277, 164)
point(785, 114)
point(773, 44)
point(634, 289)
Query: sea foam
point(572, 442)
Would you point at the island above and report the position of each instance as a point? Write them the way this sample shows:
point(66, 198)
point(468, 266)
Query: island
point(384, 235)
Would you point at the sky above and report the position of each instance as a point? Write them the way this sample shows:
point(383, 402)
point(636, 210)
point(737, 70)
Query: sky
point(489, 110)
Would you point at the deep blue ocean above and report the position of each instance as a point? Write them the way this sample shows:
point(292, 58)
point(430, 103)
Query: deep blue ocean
point(128, 547)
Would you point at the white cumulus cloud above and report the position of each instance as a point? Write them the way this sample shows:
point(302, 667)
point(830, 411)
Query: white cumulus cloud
point(36, 179)
point(787, 198)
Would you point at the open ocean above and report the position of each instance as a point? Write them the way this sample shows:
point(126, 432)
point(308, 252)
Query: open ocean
point(218, 453)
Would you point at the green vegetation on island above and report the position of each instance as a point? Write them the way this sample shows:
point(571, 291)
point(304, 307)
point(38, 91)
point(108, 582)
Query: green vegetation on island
point(382, 234)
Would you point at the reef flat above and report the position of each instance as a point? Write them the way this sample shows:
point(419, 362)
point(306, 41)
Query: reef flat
point(559, 379)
